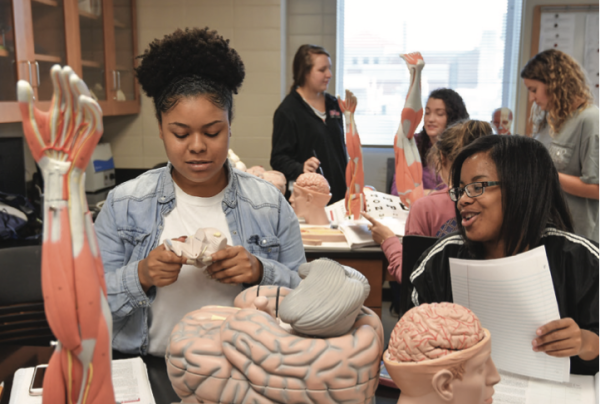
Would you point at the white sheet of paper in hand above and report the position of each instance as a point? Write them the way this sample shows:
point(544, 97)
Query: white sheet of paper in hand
point(512, 297)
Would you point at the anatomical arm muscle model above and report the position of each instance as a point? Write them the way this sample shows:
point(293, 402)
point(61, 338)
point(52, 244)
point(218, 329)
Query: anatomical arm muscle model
point(355, 173)
point(62, 141)
point(409, 170)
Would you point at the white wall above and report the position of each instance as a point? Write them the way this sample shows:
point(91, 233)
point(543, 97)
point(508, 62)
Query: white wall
point(310, 22)
point(254, 29)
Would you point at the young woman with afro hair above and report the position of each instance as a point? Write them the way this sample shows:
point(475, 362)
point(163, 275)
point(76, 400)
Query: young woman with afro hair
point(191, 76)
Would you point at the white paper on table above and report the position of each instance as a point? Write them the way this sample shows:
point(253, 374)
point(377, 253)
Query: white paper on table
point(512, 297)
point(129, 376)
point(516, 389)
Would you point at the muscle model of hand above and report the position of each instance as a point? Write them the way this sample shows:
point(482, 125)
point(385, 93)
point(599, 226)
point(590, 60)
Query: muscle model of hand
point(355, 172)
point(62, 141)
point(409, 169)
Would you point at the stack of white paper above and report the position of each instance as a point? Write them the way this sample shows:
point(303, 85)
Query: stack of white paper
point(515, 389)
point(129, 376)
point(512, 297)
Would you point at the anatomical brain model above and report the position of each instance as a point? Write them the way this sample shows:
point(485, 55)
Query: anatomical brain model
point(440, 353)
point(314, 344)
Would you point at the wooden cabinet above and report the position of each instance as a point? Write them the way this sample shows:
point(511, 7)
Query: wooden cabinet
point(97, 38)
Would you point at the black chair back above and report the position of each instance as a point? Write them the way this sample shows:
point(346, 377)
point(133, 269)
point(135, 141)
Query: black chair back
point(22, 317)
point(412, 249)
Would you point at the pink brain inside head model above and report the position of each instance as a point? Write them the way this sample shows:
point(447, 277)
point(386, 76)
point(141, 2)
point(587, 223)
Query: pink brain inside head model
point(432, 331)
point(313, 182)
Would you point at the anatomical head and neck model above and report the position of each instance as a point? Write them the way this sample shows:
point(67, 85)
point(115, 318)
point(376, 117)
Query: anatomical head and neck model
point(311, 195)
point(502, 120)
point(440, 354)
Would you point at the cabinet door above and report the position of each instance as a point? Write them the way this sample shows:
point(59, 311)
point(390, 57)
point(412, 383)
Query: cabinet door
point(93, 49)
point(49, 43)
point(8, 62)
point(126, 96)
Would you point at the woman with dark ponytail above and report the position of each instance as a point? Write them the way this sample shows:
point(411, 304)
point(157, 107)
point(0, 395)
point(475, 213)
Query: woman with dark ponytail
point(308, 132)
point(191, 77)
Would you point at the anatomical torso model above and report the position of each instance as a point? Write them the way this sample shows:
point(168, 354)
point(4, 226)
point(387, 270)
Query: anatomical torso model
point(409, 169)
point(62, 141)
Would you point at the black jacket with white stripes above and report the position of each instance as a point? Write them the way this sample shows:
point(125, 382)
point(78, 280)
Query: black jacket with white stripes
point(573, 264)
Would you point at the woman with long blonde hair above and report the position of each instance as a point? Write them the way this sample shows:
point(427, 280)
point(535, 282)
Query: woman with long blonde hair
point(557, 84)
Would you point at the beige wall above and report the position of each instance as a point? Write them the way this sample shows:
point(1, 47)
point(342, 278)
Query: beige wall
point(310, 22)
point(254, 28)
point(525, 55)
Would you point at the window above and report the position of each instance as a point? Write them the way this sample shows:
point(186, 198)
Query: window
point(470, 46)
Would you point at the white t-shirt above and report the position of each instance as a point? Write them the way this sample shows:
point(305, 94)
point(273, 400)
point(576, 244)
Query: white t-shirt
point(193, 288)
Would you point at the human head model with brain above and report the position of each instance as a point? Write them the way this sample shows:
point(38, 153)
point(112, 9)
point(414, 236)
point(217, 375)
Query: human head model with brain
point(311, 195)
point(440, 353)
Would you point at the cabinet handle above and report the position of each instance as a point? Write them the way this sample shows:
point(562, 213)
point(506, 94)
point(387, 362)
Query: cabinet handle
point(118, 80)
point(114, 74)
point(37, 70)
point(30, 75)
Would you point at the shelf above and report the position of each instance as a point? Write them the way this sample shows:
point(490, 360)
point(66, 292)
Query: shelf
point(88, 15)
point(3, 53)
point(51, 3)
point(123, 68)
point(119, 24)
point(90, 63)
point(48, 58)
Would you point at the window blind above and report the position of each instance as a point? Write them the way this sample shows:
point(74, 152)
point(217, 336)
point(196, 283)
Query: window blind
point(470, 46)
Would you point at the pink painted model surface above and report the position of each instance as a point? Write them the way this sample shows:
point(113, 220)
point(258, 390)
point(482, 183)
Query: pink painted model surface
point(355, 172)
point(249, 354)
point(433, 331)
point(62, 141)
point(409, 169)
point(439, 353)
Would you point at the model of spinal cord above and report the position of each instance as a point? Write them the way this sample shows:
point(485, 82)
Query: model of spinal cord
point(409, 170)
point(355, 173)
point(62, 141)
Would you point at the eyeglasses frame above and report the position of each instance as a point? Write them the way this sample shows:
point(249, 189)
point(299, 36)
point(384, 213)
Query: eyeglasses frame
point(484, 185)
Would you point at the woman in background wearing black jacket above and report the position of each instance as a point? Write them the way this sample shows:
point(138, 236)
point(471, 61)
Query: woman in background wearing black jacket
point(308, 132)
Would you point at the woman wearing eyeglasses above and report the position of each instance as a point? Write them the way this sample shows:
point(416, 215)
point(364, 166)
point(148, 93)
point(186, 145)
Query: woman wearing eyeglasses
point(509, 200)
point(432, 215)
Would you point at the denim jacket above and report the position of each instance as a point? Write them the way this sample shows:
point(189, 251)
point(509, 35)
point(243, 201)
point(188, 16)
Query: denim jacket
point(131, 222)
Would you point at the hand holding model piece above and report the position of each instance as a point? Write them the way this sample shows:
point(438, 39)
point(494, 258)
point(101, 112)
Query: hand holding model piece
point(62, 141)
point(440, 353)
point(198, 249)
point(409, 169)
point(355, 172)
